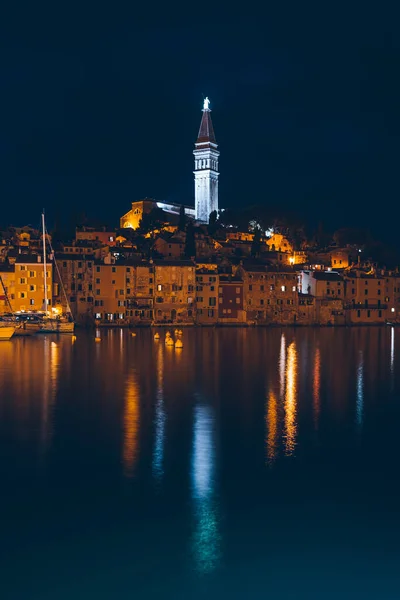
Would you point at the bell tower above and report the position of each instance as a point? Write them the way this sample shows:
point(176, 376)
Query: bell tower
point(206, 168)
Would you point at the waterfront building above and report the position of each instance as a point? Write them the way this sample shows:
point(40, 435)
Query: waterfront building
point(29, 283)
point(328, 290)
point(174, 292)
point(270, 295)
point(77, 276)
point(207, 283)
point(369, 296)
point(230, 300)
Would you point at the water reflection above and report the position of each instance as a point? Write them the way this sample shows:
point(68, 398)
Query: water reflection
point(290, 428)
point(316, 386)
point(131, 424)
point(271, 425)
point(360, 389)
point(282, 365)
point(159, 420)
point(206, 537)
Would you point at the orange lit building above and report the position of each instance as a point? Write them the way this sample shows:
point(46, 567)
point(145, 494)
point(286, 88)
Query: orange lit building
point(207, 283)
point(174, 291)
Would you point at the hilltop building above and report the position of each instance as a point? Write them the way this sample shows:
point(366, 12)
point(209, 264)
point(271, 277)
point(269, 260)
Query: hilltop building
point(205, 181)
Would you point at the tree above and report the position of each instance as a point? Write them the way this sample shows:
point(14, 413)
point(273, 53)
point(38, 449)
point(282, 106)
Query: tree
point(212, 222)
point(190, 243)
point(182, 218)
point(256, 244)
point(152, 220)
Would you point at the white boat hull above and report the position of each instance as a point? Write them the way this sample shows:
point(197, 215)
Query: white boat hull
point(7, 332)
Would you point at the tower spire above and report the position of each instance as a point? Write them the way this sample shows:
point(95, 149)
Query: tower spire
point(206, 167)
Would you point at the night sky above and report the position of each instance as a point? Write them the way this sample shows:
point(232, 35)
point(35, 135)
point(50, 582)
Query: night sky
point(102, 107)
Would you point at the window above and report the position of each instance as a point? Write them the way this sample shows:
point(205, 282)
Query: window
point(32, 274)
point(97, 280)
point(338, 292)
point(353, 291)
point(212, 301)
point(220, 300)
point(72, 287)
point(365, 292)
point(22, 268)
point(79, 264)
point(128, 291)
point(237, 300)
point(79, 287)
point(90, 287)
point(80, 276)
point(283, 288)
point(31, 302)
point(272, 287)
point(379, 313)
point(368, 313)
point(97, 292)
point(113, 282)
point(97, 316)
point(121, 292)
point(358, 313)
point(190, 288)
point(293, 288)
point(22, 295)
point(97, 269)
point(32, 288)
point(250, 288)
point(159, 287)
point(261, 288)
point(89, 265)
point(210, 312)
point(386, 298)
point(64, 263)
point(22, 280)
point(159, 299)
point(262, 302)
point(379, 292)
point(249, 301)
point(113, 269)
point(199, 299)
point(238, 290)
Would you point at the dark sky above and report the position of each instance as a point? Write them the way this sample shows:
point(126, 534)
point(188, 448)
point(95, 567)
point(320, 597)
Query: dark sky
point(102, 107)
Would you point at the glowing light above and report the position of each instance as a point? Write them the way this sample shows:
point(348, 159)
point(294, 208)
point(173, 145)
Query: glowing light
point(206, 104)
point(290, 401)
point(291, 260)
point(269, 232)
point(392, 309)
point(131, 425)
point(271, 425)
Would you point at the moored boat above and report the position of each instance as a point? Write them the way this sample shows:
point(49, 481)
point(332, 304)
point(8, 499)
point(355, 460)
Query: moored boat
point(7, 330)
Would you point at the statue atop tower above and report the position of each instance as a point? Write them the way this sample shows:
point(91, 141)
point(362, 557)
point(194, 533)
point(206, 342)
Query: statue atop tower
point(206, 167)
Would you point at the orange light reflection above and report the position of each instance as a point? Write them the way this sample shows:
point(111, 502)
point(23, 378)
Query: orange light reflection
point(290, 401)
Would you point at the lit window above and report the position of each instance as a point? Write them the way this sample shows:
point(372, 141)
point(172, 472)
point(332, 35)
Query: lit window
point(392, 309)
point(283, 288)
point(159, 287)
point(294, 288)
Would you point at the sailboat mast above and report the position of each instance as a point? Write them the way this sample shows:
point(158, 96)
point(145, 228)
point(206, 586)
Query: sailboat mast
point(44, 264)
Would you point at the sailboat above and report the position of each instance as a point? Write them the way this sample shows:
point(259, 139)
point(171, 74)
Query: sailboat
point(61, 323)
point(8, 325)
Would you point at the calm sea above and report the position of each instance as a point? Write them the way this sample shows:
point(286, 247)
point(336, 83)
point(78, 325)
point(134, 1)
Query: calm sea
point(249, 464)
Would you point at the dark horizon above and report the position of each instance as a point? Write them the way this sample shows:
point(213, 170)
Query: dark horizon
point(101, 111)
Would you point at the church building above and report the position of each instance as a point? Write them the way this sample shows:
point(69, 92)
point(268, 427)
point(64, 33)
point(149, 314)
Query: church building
point(205, 181)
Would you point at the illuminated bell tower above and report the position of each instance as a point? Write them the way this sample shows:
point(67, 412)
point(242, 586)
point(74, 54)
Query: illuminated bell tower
point(206, 168)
